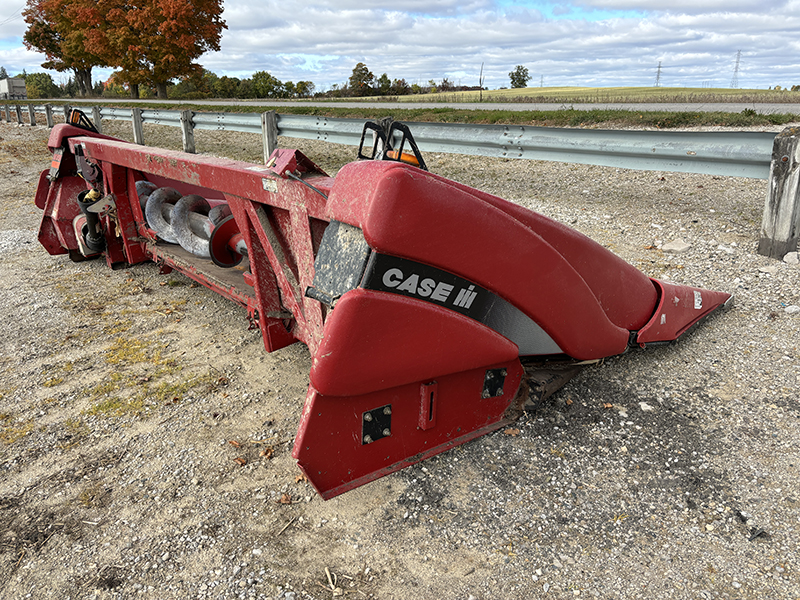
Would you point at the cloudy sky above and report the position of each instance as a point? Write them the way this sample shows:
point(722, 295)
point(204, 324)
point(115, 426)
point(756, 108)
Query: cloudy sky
point(567, 43)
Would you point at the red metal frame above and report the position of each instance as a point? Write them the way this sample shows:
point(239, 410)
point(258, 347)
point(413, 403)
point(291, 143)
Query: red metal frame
point(396, 377)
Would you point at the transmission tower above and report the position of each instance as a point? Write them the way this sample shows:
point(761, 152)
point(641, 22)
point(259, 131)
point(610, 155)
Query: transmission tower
point(658, 75)
point(735, 78)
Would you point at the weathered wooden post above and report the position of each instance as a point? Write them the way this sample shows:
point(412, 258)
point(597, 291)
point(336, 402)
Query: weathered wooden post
point(269, 131)
point(138, 128)
point(48, 115)
point(32, 115)
point(187, 131)
point(97, 118)
point(780, 225)
point(67, 110)
point(19, 114)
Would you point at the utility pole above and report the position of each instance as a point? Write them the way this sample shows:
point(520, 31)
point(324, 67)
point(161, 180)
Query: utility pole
point(480, 85)
point(658, 75)
point(541, 82)
point(735, 78)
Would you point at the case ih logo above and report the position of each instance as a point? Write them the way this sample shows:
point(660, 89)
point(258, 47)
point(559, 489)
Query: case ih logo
point(428, 288)
point(410, 278)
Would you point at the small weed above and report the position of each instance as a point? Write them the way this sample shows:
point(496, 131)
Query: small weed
point(165, 391)
point(12, 430)
point(145, 392)
point(73, 430)
point(117, 407)
point(114, 383)
point(132, 351)
point(94, 496)
point(118, 327)
point(76, 426)
point(54, 376)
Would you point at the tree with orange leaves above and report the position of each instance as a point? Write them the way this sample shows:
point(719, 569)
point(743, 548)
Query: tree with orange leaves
point(156, 41)
point(150, 41)
point(53, 29)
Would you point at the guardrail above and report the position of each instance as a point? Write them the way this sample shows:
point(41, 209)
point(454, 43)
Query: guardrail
point(736, 154)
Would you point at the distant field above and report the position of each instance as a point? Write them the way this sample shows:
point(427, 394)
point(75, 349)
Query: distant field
point(617, 95)
point(563, 116)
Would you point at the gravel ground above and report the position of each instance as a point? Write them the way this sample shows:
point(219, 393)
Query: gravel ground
point(126, 398)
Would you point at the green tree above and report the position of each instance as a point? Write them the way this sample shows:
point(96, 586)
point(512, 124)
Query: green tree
point(400, 87)
point(209, 80)
point(519, 77)
point(225, 87)
point(71, 88)
point(304, 89)
point(245, 89)
point(361, 80)
point(266, 85)
point(384, 84)
point(3, 74)
point(40, 85)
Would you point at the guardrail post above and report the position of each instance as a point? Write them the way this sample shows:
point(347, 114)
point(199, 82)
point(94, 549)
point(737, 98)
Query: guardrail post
point(67, 110)
point(19, 114)
point(187, 131)
point(780, 225)
point(48, 115)
point(138, 129)
point(32, 115)
point(269, 131)
point(8, 114)
point(97, 118)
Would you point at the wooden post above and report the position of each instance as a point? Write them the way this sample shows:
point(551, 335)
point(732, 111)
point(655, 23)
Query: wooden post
point(97, 118)
point(269, 131)
point(138, 129)
point(19, 114)
point(67, 110)
point(8, 114)
point(32, 115)
point(48, 114)
point(187, 131)
point(780, 225)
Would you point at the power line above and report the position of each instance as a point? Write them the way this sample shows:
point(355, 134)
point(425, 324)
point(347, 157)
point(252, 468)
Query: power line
point(15, 15)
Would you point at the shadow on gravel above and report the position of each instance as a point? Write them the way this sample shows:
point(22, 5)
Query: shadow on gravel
point(29, 520)
point(601, 462)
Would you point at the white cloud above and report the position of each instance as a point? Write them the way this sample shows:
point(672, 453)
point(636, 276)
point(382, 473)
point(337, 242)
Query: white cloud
point(684, 6)
point(578, 42)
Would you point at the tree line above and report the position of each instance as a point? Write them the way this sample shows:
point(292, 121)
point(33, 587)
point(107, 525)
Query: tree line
point(205, 85)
